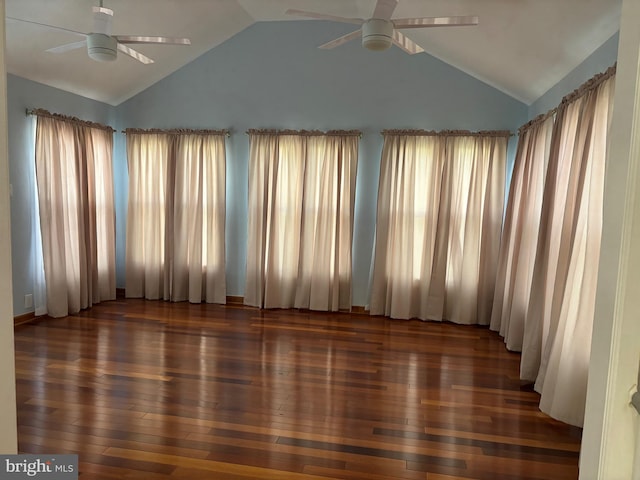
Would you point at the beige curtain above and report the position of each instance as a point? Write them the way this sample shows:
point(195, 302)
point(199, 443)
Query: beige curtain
point(301, 200)
point(176, 216)
point(77, 219)
point(557, 337)
point(520, 234)
point(440, 203)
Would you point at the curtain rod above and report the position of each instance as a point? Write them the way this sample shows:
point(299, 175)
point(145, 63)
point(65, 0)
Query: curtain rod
point(452, 133)
point(66, 118)
point(587, 86)
point(590, 84)
point(311, 133)
point(536, 120)
point(178, 131)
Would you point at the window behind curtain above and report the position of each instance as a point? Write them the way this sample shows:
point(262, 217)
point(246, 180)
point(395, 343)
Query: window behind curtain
point(176, 216)
point(520, 234)
point(77, 220)
point(559, 320)
point(439, 218)
point(301, 198)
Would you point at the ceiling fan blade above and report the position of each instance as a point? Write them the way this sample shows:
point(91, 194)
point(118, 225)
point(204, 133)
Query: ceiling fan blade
point(68, 47)
point(341, 41)
point(406, 44)
point(134, 54)
point(161, 40)
point(322, 16)
point(384, 9)
point(426, 22)
point(60, 29)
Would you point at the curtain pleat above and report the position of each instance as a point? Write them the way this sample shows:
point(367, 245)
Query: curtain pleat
point(438, 226)
point(264, 151)
point(546, 285)
point(102, 211)
point(77, 220)
point(176, 217)
point(284, 217)
point(146, 212)
point(557, 338)
point(520, 234)
point(301, 197)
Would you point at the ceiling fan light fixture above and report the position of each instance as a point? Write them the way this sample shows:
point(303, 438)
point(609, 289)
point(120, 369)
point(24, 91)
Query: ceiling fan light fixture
point(102, 48)
point(377, 34)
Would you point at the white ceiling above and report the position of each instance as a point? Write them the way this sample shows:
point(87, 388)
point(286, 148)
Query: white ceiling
point(522, 47)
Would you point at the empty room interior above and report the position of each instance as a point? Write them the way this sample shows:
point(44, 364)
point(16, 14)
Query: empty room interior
point(322, 239)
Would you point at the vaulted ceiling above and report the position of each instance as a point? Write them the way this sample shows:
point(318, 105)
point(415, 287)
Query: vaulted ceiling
point(521, 47)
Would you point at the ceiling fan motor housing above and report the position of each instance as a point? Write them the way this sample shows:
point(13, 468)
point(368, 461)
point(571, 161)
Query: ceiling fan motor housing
point(102, 48)
point(377, 34)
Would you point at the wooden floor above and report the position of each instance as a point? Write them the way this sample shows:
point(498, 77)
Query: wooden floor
point(153, 390)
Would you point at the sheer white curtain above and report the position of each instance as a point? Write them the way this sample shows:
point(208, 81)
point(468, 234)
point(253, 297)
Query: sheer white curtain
point(440, 203)
point(557, 337)
point(39, 283)
point(301, 200)
point(520, 233)
point(148, 160)
point(76, 208)
point(176, 216)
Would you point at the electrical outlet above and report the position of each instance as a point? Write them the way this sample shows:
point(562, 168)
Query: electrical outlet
point(28, 300)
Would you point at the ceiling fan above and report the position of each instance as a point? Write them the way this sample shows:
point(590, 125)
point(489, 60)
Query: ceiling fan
point(381, 31)
point(102, 45)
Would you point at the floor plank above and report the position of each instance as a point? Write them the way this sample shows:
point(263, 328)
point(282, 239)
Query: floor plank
point(144, 389)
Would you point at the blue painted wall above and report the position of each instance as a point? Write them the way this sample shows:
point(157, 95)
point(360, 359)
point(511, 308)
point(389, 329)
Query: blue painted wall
point(22, 95)
point(597, 62)
point(271, 75)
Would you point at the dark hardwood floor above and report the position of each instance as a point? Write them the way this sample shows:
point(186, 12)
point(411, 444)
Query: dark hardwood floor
point(154, 390)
